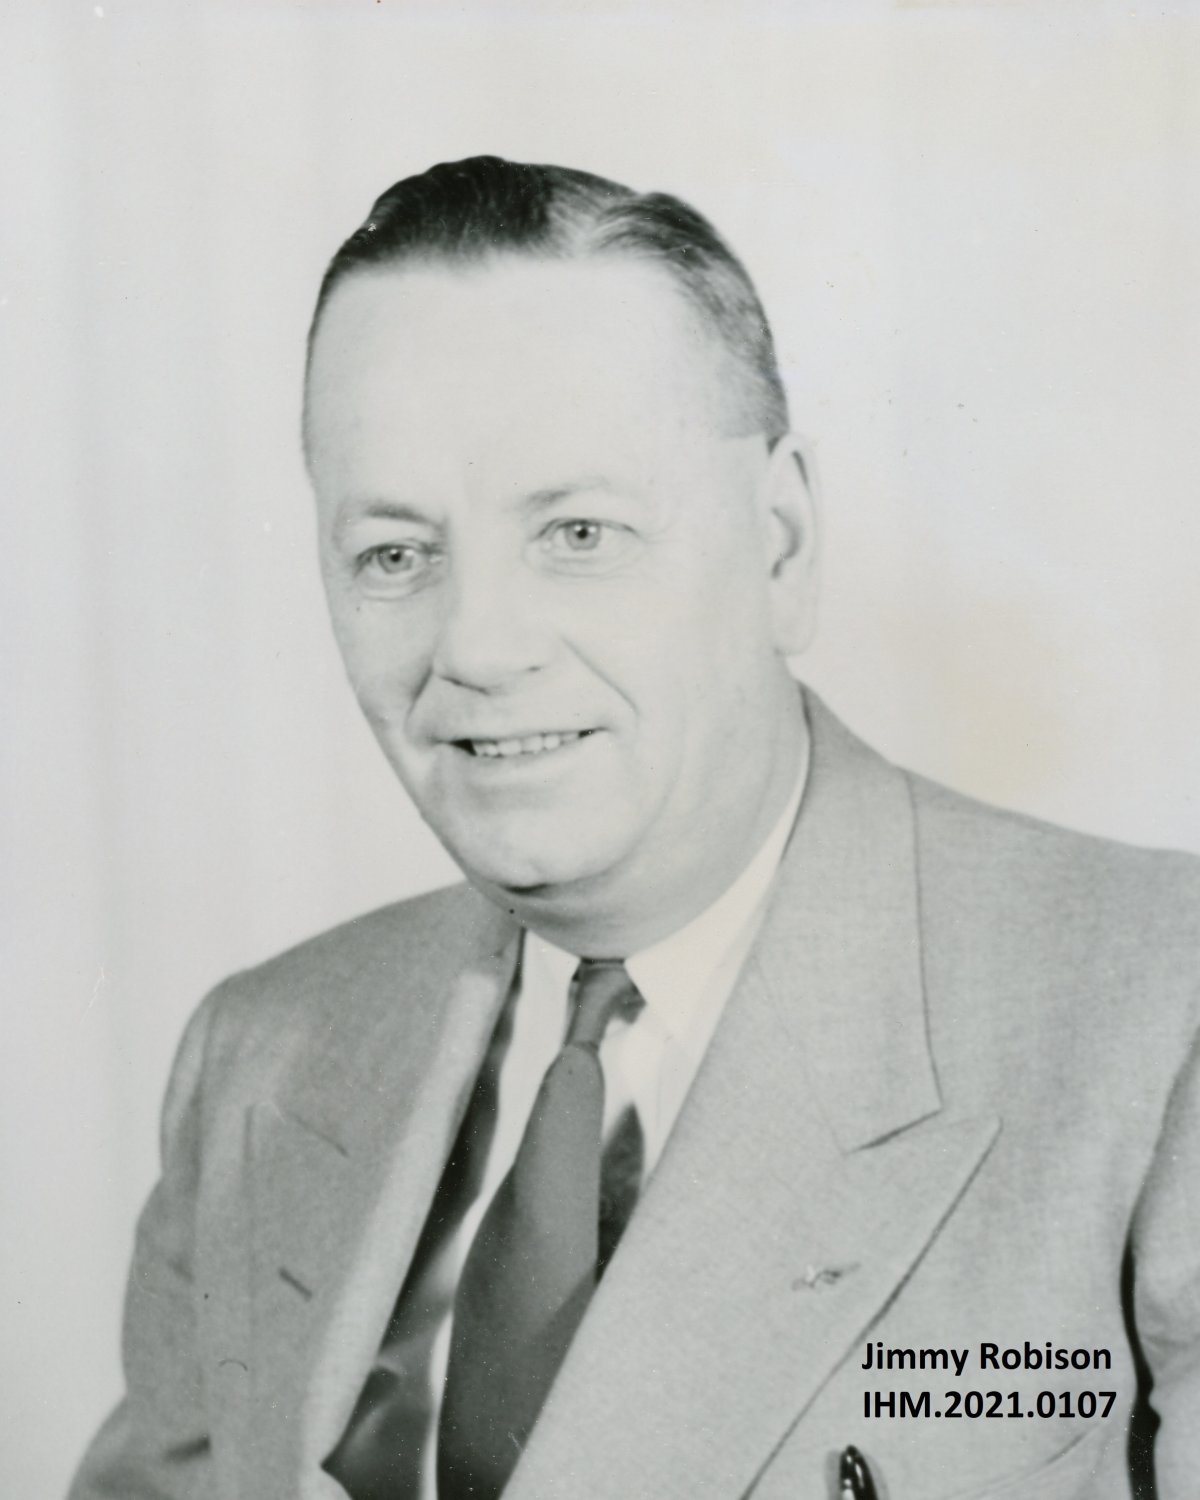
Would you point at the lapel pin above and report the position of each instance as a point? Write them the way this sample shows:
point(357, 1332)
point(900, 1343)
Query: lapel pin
point(295, 1283)
point(815, 1276)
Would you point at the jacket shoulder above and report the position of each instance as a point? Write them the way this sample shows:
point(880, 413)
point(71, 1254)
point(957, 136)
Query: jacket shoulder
point(970, 852)
point(374, 961)
point(978, 846)
point(364, 941)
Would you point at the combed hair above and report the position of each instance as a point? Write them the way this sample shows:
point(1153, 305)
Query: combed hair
point(471, 211)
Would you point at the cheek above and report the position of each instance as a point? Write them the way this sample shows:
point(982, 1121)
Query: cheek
point(386, 659)
point(721, 656)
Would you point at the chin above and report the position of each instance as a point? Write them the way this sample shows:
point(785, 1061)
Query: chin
point(526, 870)
point(524, 876)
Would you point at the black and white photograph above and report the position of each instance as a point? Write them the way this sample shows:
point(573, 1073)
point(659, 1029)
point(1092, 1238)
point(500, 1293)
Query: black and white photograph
point(601, 697)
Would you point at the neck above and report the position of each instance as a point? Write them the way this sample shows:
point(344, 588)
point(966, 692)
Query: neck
point(622, 913)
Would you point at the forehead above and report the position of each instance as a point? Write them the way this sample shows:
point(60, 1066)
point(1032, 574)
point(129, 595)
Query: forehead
point(510, 361)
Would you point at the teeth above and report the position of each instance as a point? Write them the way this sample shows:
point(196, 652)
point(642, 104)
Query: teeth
point(531, 744)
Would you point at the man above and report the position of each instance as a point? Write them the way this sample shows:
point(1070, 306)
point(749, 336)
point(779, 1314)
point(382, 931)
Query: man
point(754, 1099)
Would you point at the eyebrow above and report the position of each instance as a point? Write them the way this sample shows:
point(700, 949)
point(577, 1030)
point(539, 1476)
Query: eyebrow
point(541, 499)
point(534, 501)
point(378, 510)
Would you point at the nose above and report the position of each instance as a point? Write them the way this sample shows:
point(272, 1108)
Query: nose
point(492, 631)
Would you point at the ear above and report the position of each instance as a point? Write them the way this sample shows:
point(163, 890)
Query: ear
point(790, 515)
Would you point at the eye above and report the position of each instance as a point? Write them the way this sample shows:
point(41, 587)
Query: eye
point(578, 536)
point(397, 558)
point(579, 544)
point(395, 566)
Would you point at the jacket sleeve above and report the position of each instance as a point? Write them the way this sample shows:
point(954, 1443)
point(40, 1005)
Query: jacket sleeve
point(155, 1445)
point(1166, 1247)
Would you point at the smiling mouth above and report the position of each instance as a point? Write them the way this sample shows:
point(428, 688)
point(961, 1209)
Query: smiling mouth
point(527, 745)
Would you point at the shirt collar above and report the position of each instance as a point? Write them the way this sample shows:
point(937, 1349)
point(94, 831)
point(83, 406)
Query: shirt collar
point(673, 973)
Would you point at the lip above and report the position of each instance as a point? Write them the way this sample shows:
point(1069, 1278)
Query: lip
point(531, 748)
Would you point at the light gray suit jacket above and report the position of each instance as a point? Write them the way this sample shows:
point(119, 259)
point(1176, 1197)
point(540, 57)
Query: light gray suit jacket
point(954, 1098)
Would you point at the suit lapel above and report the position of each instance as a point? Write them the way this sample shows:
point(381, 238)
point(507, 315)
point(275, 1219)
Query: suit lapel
point(806, 1175)
point(343, 1166)
point(808, 1171)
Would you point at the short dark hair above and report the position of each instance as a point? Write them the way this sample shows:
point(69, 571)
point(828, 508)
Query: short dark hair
point(484, 207)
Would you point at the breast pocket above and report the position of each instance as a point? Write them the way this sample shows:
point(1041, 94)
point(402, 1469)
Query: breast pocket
point(1078, 1472)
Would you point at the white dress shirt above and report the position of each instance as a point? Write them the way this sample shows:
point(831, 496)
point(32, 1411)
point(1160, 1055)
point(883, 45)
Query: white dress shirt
point(649, 1062)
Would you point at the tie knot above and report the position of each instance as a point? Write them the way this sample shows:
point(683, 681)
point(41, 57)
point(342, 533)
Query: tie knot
point(601, 991)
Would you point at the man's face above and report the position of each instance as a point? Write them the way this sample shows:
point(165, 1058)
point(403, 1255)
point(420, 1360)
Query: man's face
point(548, 568)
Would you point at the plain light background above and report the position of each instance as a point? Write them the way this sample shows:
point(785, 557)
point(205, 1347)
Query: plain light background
point(977, 229)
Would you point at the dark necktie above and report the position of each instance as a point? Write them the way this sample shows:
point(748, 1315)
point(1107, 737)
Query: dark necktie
point(536, 1259)
point(507, 1317)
